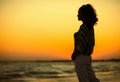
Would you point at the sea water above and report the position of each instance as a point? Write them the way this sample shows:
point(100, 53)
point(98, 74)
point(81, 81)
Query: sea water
point(55, 71)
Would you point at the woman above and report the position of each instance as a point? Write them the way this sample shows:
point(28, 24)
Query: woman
point(84, 43)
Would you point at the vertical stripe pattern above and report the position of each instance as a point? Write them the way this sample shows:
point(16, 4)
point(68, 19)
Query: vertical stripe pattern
point(84, 40)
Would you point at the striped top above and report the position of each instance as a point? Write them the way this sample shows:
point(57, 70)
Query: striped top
point(84, 40)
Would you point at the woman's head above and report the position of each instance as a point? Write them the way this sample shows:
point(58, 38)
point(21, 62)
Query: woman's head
point(87, 14)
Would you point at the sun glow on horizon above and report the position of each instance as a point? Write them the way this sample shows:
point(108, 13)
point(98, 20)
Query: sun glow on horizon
point(44, 29)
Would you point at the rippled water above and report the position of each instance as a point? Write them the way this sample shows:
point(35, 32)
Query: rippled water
point(54, 71)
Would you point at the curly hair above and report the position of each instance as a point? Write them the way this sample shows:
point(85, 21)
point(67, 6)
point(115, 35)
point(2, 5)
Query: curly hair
point(89, 14)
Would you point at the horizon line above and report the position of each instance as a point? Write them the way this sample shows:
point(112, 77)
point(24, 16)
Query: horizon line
point(62, 60)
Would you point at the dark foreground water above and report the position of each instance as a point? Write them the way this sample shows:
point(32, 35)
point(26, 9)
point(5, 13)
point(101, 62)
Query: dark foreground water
point(54, 71)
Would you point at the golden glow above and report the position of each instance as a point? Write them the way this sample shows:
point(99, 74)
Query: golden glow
point(43, 29)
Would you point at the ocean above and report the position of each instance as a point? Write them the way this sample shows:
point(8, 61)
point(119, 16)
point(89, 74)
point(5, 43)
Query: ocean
point(57, 71)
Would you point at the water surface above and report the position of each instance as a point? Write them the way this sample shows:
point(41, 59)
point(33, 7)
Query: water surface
point(55, 71)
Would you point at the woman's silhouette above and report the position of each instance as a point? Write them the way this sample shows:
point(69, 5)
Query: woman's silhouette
point(84, 43)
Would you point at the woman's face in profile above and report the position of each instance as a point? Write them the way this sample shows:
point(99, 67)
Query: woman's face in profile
point(79, 15)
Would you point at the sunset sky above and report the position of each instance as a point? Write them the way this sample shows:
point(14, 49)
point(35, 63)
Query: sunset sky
point(43, 29)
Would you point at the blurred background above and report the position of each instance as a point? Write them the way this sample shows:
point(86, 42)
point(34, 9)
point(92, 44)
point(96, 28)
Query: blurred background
point(33, 31)
point(43, 29)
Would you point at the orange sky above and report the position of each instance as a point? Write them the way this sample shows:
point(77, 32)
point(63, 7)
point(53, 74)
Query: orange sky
point(43, 29)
